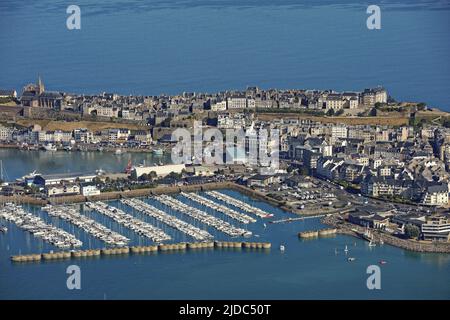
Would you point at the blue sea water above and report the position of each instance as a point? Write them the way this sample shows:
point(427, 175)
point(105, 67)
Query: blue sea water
point(306, 270)
point(153, 47)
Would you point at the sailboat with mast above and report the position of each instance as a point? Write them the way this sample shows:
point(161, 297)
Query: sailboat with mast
point(3, 175)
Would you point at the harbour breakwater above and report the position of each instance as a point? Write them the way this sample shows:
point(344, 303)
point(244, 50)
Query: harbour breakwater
point(174, 247)
point(311, 234)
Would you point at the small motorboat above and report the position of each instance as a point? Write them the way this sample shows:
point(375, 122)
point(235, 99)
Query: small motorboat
point(350, 259)
point(282, 248)
point(383, 261)
point(346, 249)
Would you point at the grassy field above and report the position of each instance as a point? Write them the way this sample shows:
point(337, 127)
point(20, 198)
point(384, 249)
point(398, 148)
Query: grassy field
point(70, 126)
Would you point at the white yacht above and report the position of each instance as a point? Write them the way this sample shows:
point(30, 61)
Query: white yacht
point(50, 147)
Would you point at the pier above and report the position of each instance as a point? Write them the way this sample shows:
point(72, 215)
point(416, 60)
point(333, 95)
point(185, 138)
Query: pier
point(167, 219)
point(238, 204)
point(92, 227)
point(36, 226)
point(299, 218)
point(136, 250)
point(203, 217)
point(127, 220)
point(219, 207)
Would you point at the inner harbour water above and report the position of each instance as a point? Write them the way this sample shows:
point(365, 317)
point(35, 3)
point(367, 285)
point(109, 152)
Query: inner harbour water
point(306, 269)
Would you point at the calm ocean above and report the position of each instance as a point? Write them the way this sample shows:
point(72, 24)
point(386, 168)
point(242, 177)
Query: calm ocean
point(153, 47)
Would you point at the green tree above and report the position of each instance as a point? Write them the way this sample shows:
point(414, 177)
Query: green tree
point(412, 231)
point(421, 105)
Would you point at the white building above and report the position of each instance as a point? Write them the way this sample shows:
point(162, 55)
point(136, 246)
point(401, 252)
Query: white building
point(338, 132)
point(436, 195)
point(436, 228)
point(237, 103)
point(219, 106)
point(6, 133)
point(89, 190)
point(83, 135)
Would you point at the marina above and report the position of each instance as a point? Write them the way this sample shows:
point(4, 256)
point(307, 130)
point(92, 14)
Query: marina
point(140, 227)
point(239, 204)
point(36, 226)
point(243, 218)
point(167, 219)
point(35, 266)
point(72, 215)
point(203, 217)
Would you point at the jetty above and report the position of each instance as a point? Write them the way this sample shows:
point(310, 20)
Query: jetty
point(36, 226)
point(203, 217)
point(167, 219)
point(299, 218)
point(239, 204)
point(243, 218)
point(72, 215)
point(127, 220)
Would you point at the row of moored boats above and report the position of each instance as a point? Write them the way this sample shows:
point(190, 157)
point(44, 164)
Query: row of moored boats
point(202, 216)
point(71, 214)
point(239, 204)
point(127, 220)
point(36, 226)
point(167, 219)
point(243, 218)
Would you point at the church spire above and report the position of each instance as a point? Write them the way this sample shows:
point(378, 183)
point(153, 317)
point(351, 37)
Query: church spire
point(40, 85)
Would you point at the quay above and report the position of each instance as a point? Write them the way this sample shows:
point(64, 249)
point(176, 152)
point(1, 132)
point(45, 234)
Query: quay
point(112, 195)
point(36, 226)
point(92, 227)
point(239, 204)
point(219, 207)
point(167, 219)
point(174, 247)
point(203, 217)
point(138, 226)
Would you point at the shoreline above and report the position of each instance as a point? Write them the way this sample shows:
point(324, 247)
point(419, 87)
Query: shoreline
point(346, 228)
point(124, 150)
point(162, 189)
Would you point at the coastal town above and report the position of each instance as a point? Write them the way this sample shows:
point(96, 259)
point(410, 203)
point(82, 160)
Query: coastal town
point(368, 165)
